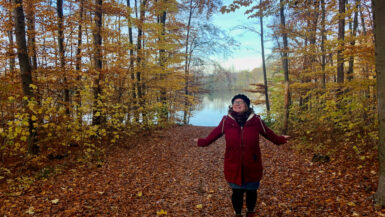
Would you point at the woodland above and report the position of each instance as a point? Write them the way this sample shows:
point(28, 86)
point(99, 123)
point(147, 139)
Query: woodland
point(95, 97)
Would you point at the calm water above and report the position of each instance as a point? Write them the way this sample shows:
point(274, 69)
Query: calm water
point(215, 105)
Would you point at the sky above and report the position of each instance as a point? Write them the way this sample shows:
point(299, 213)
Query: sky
point(248, 56)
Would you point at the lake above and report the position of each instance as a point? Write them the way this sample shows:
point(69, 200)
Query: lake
point(215, 105)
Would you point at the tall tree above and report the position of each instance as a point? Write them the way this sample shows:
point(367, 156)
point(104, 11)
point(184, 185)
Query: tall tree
point(60, 40)
point(323, 38)
point(285, 66)
point(263, 63)
point(341, 38)
point(25, 71)
point(30, 15)
point(140, 54)
point(353, 30)
point(97, 36)
point(186, 66)
point(11, 54)
point(132, 61)
point(78, 60)
point(162, 62)
point(80, 35)
point(379, 20)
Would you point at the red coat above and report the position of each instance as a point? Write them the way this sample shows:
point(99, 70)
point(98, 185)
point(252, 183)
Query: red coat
point(242, 147)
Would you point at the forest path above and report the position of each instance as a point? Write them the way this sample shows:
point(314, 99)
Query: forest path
point(170, 174)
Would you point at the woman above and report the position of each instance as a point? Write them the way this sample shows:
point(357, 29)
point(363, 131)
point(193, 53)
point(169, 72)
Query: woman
point(243, 162)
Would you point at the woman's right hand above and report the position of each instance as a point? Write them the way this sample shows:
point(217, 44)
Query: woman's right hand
point(196, 139)
point(287, 136)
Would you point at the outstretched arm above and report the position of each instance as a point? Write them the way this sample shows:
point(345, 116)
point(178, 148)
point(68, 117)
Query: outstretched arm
point(214, 135)
point(270, 135)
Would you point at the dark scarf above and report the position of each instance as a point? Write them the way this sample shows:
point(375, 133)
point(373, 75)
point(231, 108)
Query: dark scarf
point(240, 117)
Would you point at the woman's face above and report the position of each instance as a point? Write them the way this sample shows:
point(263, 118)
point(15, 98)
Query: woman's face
point(239, 105)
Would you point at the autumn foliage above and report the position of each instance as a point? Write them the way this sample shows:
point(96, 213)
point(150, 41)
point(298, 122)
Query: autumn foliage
point(92, 82)
point(328, 110)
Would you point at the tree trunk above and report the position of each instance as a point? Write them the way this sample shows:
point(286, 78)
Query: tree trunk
point(264, 66)
point(10, 32)
point(25, 71)
point(362, 20)
point(323, 38)
point(186, 67)
point(285, 65)
point(78, 60)
point(353, 41)
point(80, 35)
point(365, 67)
point(140, 55)
point(341, 37)
point(60, 40)
point(30, 15)
point(379, 31)
point(131, 67)
point(162, 63)
point(310, 58)
point(97, 111)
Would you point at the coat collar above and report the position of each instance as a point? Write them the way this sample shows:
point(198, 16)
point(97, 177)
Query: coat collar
point(250, 116)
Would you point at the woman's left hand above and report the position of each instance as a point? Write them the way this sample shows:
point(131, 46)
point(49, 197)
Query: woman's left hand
point(286, 136)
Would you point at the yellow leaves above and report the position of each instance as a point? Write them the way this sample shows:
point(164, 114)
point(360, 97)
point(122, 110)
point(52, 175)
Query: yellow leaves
point(11, 98)
point(161, 212)
point(55, 201)
point(30, 211)
point(351, 204)
point(33, 86)
point(199, 206)
point(140, 194)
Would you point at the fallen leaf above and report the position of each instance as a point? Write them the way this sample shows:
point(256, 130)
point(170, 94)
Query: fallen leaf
point(161, 212)
point(55, 201)
point(30, 211)
point(351, 204)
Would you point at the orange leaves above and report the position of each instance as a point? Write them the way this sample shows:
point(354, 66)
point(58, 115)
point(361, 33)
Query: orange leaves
point(167, 175)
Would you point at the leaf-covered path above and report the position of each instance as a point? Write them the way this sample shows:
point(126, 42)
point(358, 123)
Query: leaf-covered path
point(169, 175)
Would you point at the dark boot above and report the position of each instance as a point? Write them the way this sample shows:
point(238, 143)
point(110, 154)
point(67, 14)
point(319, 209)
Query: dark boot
point(238, 215)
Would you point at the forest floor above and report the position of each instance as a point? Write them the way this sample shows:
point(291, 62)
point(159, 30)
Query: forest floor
point(169, 175)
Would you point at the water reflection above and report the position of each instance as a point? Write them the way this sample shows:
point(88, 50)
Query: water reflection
point(215, 105)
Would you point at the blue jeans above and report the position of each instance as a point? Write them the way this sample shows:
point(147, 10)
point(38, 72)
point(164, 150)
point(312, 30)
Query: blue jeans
point(245, 186)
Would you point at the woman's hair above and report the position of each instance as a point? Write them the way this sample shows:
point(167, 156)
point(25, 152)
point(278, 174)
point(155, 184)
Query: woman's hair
point(243, 97)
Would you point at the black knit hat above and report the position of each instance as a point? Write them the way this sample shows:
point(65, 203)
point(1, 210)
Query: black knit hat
point(243, 97)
